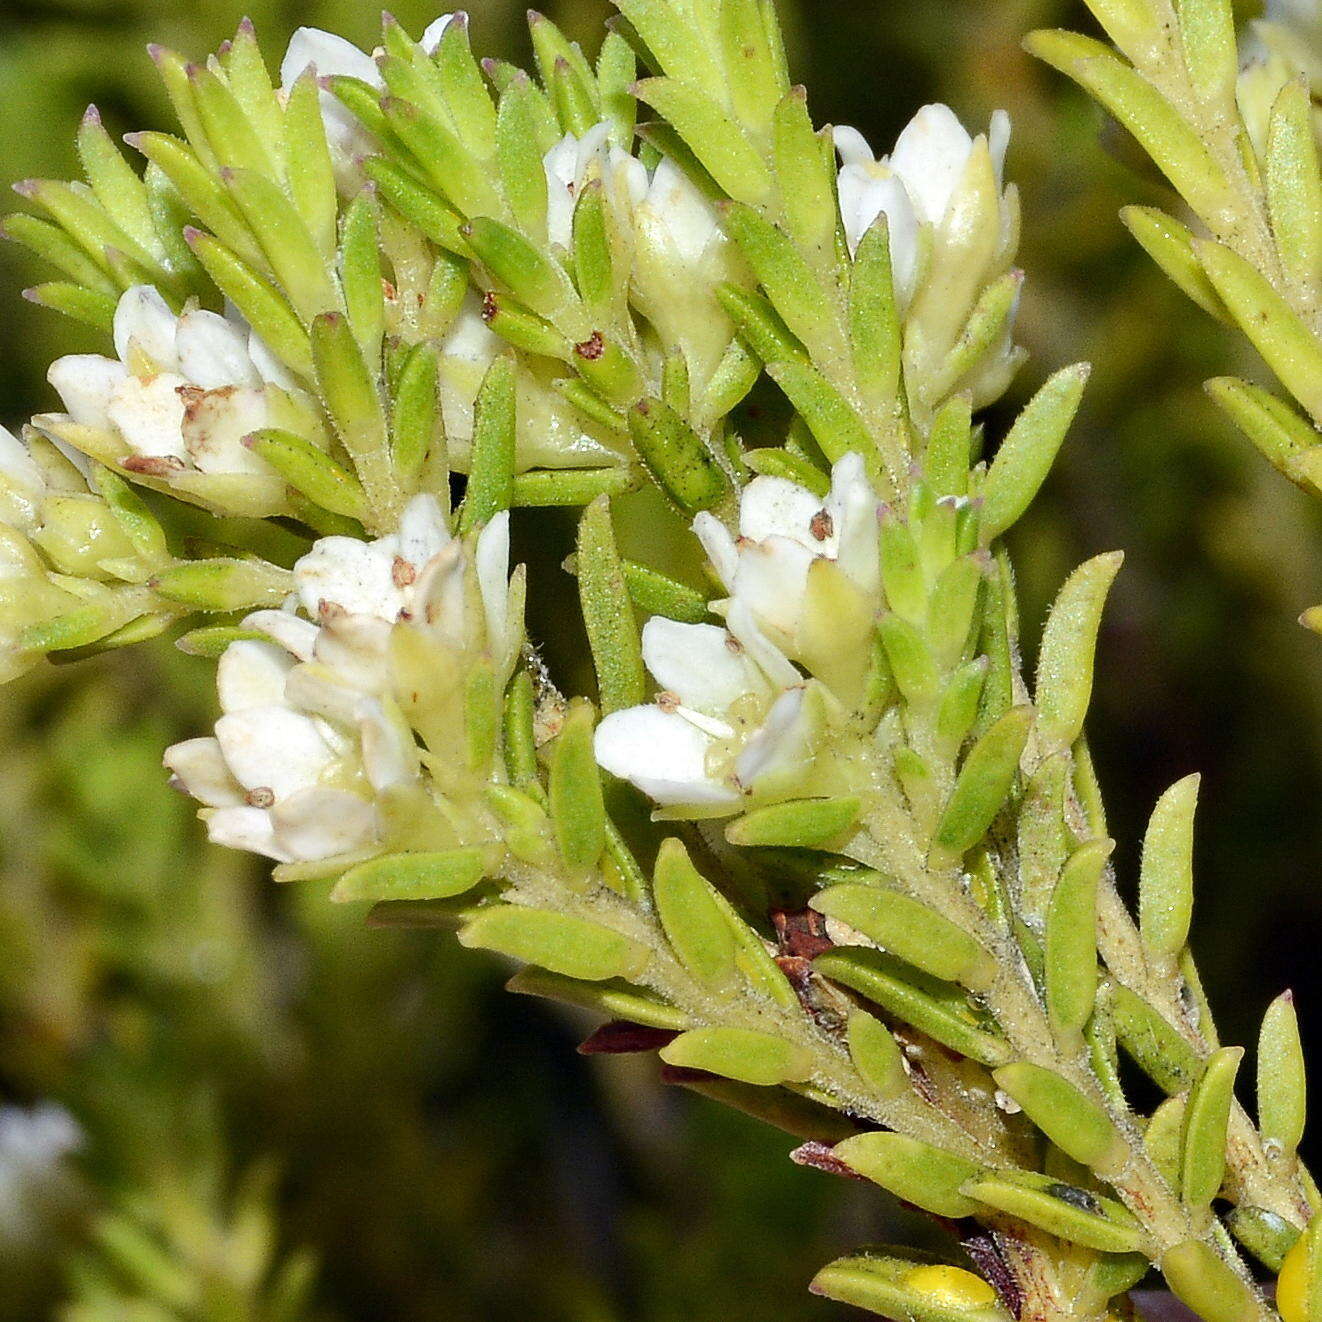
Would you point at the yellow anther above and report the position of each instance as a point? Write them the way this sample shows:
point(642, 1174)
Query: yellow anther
point(1292, 1284)
point(951, 1287)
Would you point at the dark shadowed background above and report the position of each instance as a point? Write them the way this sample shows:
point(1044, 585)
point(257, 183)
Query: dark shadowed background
point(440, 1144)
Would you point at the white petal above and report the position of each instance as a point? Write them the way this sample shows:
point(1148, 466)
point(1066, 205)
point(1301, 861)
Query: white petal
point(357, 576)
point(18, 466)
point(930, 156)
point(782, 748)
point(777, 507)
point(719, 545)
point(435, 30)
point(320, 823)
point(662, 754)
point(390, 755)
point(273, 748)
point(329, 55)
point(771, 582)
point(245, 828)
point(862, 201)
point(215, 423)
point(150, 415)
point(470, 339)
point(998, 140)
point(143, 320)
point(201, 769)
point(292, 632)
point(439, 596)
point(252, 674)
point(702, 664)
point(357, 648)
point(331, 698)
point(268, 366)
point(768, 657)
point(85, 383)
point(855, 509)
point(687, 215)
point(213, 352)
point(423, 533)
point(493, 568)
point(852, 146)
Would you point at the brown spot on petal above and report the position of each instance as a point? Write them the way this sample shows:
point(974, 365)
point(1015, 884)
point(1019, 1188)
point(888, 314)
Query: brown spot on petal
point(732, 644)
point(153, 465)
point(329, 611)
point(668, 701)
point(822, 525)
point(261, 797)
point(402, 573)
point(490, 307)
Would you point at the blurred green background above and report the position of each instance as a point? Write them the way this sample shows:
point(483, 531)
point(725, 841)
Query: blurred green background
point(435, 1144)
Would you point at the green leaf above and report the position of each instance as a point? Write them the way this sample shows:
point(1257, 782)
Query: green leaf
point(1207, 33)
point(439, 876)
point(1162, 1053)
point(1027, 453)
point(877, 1056)
point(939, 1010)
point(724, 149)
point(1287, 345)
point(1068, 653)
point(742, 1054)
point(532, 276)
point(913, 1171)
point(360, 275)
point(983, 784)
point(1294, 184)
point(614, 1000)
point(1165, 896)
point(1282, 1086)
point(807, 186)
point(224, 584)
point(491, 472)
point(89, 306)
point(573, 947)
point(1267, 1236)
point(682, 465)
point(416, 425)
point(927, 1291)
point(1173, 144)
point(1074, 1122)
point(911, 931)
point(1171, 245)
point(309, 171)
point(695, 925)
point(1201, 1278)
point(577, 807)
point(835, 425)
point(607, 613)
point(1271, 424)
point(311, 470)
point(1206, 1124)
point(796, 824)
point(1071, 942)
point(1072, 1214)
point(116, 186)
point(264, 307)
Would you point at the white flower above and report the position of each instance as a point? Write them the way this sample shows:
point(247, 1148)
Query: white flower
point(329, 56)
point(180, 396)
point(915, 186)
point(729, 719)
point(37, 1181)
point(783, 528)
point(310, 736)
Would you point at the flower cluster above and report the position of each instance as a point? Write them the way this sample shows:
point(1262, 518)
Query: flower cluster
point(313, 745)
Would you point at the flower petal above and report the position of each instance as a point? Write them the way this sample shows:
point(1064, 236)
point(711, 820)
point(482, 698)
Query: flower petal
point(213, 352)
point(200, 768)
point(143, 321)
point(329, 55)
point(771, 581)
point(493, 565)
point(662, 754)
point(273, 748)
point(252, 674)
point(768, 657)
point(215, 423)
point(423, 532)
point(434, 31)
point(320, 823)
point(777, 507)
point(855, 509)
point(930, 156)
point(719, 545)
point(356, 576)
point(150, 415)
point(702, 664)
point(245, 828)
point(292, 632)
point(86, 383)
point(780, 753)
